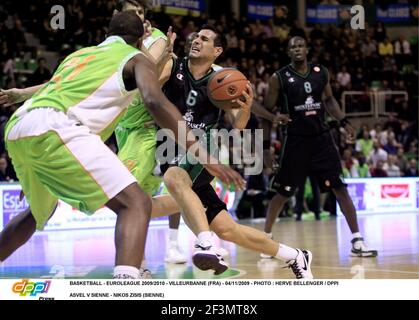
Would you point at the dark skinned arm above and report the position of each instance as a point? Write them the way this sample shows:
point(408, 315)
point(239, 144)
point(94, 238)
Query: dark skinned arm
point(333, 108)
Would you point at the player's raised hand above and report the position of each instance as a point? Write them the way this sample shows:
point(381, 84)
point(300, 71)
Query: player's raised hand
point(226, 175)
point(248, 96)
point(171, 38)
point(11, 96)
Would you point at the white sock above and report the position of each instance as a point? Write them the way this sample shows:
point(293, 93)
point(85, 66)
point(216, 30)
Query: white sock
point(126, 271)
point(356, 235)
point(173, 235)
point(286, 253)
point(144, 264)
point(205, 238)
point(270, 236)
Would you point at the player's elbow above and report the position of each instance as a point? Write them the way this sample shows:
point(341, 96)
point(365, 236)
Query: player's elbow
point(152, 102)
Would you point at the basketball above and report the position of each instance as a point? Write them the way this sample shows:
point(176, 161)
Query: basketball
point(226, 85)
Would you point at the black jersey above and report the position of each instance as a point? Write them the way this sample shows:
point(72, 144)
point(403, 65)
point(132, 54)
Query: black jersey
point(302, 99)
point(190, 96)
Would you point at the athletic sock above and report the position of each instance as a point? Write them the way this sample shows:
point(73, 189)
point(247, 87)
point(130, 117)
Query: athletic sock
point(286, 253)
point(126, 272)
point(356, 235)
point(173, 235)
point(205, 239)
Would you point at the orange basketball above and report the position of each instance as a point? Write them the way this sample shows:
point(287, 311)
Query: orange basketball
point(226, 85)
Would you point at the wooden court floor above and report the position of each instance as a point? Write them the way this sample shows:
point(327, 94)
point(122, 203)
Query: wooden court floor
point(90, 253)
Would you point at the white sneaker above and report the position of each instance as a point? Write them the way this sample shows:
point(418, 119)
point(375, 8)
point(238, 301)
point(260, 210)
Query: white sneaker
point(145, 274)
point(174, 255)
point(301, 265)
point(263, 255)
point(222, 252)
point(359, 249)
point(207, 259)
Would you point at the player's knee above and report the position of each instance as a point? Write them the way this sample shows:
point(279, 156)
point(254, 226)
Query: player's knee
point(176, 178)
point(132, 199)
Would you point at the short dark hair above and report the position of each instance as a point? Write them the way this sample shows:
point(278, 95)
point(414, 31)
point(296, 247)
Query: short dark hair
point(143, 3)
point(127, 25)
point(220, 40)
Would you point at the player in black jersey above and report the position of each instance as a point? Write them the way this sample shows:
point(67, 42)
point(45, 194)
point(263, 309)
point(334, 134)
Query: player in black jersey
point(185, 84)
point(303, 92)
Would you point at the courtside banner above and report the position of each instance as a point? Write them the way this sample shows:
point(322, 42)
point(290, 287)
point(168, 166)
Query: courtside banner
point(66, 217)
point(194, 290)
point(384, 195)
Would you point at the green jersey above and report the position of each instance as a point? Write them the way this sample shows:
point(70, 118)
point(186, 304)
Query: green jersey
point(137, 114)
point(88, 86)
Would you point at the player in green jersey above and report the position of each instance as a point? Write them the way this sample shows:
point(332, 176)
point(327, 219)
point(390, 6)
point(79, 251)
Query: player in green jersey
point(55, 142)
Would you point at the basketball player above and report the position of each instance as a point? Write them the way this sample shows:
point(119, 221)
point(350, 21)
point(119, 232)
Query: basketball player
point(303, 92)
point(55, 142)
point(136, 132)
point(185, 84)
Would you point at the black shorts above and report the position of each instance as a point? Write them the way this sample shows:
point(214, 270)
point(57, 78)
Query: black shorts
point(203, 188)
point(302, 156)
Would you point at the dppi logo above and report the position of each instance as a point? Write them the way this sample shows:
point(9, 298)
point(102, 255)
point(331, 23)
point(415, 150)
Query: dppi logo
point(25, 288)
point(394, 191)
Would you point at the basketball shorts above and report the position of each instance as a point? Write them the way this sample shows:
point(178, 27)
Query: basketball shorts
point(203, 184)
point(301, 156)
point(56, 157)
point(137, 148)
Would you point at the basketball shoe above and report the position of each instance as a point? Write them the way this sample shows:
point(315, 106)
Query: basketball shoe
point(359, 249)
point(208, 259)
point(301, 265)
point(174, 254)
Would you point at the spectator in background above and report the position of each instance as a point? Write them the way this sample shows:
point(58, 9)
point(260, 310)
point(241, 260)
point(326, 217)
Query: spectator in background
point(401, 162)
point(263, 85)
point(41, 74)
point(375, 133)
point(365, 144)
point(350, 164)
point(232, 40)
point(368, 47)
point(402, 51)
point(412, 170)
point(385, 48)
point(378, 171)
point(344, 78)
point(392, 146)
point(390, 166)
point(412, 153)
point(363, 168)
point(282, 32)
point(377, 154)
point(4, 177)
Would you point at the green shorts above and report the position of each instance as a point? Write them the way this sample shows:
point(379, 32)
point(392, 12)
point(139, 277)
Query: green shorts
point(57, 158)
point(137, 148)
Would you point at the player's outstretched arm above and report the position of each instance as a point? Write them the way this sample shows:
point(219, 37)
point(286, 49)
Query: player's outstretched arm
point(15, 95)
